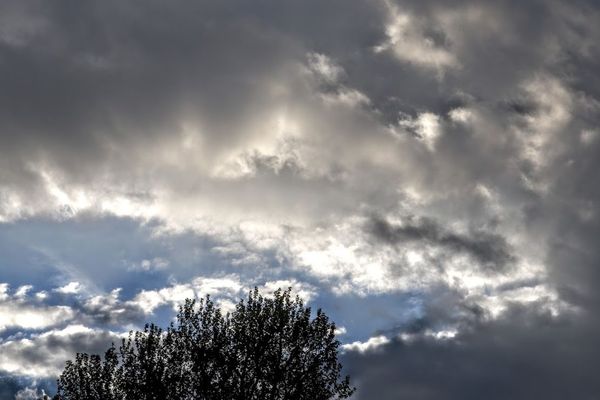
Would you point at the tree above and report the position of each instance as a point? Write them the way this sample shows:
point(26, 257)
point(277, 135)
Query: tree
point(268, 348)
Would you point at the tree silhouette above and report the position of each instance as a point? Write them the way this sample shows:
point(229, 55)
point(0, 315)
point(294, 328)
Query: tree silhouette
point(268, 348)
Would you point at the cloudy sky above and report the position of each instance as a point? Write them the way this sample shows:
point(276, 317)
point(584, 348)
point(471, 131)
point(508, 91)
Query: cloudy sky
point(425, 171)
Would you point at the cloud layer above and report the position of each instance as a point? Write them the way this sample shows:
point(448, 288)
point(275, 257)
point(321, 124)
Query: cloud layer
point(423, 170)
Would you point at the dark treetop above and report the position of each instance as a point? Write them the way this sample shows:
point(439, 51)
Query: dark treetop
point(268, 348)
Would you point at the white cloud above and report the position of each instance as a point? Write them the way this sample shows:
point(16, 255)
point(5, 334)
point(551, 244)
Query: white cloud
point(230, 285)
point(589, 136)
point(407, 41)
point(224, 287)
point(370, 345)
point(461, 114)
point(154, 264)
point(445, 334)
point(15, 312)
point(305, 291)
point(4, 291)
point(41, 295)
point(347, 97)
point(324, 67)
point(225, 291)
point(14, 315)
point(428, 127)
point(554, 104)
point(30, 393)
point(340, 330)
point(149, 300)
point(70, 288)
point(23, 290)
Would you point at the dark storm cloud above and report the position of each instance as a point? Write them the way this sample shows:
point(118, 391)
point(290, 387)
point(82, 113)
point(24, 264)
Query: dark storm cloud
point(526, 354)
point(84, 82)
point(90, 92)
point(489, 249)
point(574, 254)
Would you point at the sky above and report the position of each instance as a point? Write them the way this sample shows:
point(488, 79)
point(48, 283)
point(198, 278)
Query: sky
point(424, 171)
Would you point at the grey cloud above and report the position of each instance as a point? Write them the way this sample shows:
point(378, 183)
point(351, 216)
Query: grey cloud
point(526, 354)
point(44, 355)
point(97, 93)
point(100, 92)
point(108, 310)
point(178, 65)
point(95, 78)
point(574, 256)
point(489, 249)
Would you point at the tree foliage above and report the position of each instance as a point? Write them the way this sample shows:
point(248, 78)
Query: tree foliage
point(268, 348)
